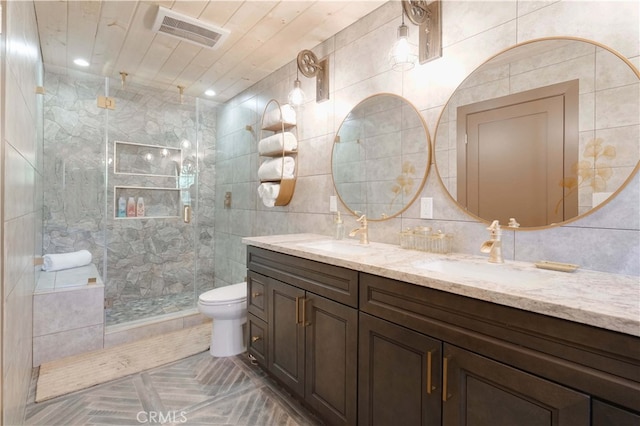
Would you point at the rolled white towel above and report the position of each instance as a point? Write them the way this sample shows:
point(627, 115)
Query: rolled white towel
point(268, 193)
point(277, 168)
point(57, 262)
point(276, 143)
point(273, 116)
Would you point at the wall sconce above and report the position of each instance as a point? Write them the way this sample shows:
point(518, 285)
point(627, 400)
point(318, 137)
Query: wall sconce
point(428, 17)
point(310, 67)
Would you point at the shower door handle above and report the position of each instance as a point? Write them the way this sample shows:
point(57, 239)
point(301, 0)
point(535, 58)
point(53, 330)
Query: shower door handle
point(186, 213)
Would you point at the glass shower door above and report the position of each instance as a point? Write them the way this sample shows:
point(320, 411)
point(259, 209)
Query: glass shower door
point(152, 146)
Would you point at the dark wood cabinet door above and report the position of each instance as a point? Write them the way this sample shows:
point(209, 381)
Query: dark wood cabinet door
point(331, 359)
point(478, 391)
point(604, 414)
point(286, 335)
point(399, 377)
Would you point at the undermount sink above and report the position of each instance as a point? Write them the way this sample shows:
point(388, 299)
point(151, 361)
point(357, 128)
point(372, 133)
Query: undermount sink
point(337, 246)
point(492, 272)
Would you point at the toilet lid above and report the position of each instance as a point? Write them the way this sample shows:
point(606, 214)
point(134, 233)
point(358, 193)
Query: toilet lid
point(226, 294)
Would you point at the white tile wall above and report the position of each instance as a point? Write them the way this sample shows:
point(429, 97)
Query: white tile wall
point(22, 211)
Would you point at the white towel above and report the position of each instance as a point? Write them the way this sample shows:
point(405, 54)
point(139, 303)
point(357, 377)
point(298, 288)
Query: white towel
point(276, 143)
point(57, 262)
point(268, 193)
point(277, 168)
point(273, 117)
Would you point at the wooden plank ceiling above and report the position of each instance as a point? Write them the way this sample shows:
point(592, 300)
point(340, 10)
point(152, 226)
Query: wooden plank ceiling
point(115, 36)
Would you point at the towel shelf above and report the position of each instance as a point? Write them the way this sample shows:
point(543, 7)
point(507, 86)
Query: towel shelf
point(287, 184)
point(275, 154)
point(279, 127)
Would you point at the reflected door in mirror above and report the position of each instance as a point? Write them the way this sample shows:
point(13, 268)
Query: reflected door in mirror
point(515, 153)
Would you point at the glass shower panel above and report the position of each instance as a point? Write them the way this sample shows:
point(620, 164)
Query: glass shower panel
point(73, 167)
point(152, 144)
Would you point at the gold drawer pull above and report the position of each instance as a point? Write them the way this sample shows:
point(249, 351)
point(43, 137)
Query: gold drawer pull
point(256, 294)
point(255, 339)
point(429, 372)
point(445, 374)
point(304, 312)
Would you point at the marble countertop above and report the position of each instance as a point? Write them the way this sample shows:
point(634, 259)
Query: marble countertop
point(599, 299)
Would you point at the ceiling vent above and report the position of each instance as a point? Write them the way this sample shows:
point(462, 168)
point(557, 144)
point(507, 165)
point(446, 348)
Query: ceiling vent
point(188, 29)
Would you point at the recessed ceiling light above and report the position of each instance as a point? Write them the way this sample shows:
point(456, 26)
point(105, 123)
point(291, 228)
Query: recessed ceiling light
point(81, 62)
point(210, 92)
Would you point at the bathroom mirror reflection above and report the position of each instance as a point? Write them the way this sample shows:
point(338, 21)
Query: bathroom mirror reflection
point(543, 132)
point(381, 156)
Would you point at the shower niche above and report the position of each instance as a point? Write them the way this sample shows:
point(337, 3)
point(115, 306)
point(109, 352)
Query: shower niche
point(156, 181)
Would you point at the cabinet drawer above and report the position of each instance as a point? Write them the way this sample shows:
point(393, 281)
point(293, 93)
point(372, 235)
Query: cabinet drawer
point(257, 295)
point(257, 339)
point(333, 282)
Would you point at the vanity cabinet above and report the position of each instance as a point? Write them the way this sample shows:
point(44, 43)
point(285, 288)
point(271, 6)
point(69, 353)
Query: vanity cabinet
point(489, 365)
point(305, 319)
point(404, 376)
point(364, 349)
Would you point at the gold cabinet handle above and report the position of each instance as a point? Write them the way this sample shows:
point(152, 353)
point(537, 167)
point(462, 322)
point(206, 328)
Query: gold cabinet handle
point(297, 310)
point(429, 372)
point(445, 377)
point(304, 312)
point(256, 294)
point(255, 339)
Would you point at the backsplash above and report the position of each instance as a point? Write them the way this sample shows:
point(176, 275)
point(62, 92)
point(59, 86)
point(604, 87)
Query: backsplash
point(606, 240)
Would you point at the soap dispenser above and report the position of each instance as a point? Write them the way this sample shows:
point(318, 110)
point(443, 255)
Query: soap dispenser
point(339, 227)
point(131, 207)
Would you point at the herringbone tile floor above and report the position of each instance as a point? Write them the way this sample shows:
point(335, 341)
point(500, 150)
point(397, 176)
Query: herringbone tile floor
point(199, 390)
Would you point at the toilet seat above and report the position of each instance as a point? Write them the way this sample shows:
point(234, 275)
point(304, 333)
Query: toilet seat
point(234, 293)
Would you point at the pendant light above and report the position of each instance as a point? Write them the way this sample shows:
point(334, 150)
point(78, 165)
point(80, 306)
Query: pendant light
point(403, 54)
point(296, 95)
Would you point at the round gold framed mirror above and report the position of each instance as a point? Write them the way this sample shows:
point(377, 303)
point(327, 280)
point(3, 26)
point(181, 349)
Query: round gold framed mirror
point(381, 156)
point(543, 132)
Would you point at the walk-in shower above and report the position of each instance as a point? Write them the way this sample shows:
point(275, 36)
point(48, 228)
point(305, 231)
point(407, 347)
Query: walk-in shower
point(150, 147)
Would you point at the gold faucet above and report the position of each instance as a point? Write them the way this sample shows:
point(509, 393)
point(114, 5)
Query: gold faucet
point(494, 245)
point(363, 230)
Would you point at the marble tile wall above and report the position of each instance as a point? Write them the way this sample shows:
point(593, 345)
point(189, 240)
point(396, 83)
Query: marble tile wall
point(67, 308)
point(606, 240)
point(22, 206)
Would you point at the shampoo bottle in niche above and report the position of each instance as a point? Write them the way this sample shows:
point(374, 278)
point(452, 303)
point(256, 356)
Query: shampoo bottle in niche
point(131, 207)
point(122, 207)
point(140, 207)
point(339, 228)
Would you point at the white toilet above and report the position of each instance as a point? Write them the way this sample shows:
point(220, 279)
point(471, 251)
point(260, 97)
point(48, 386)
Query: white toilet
point(227, 306)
